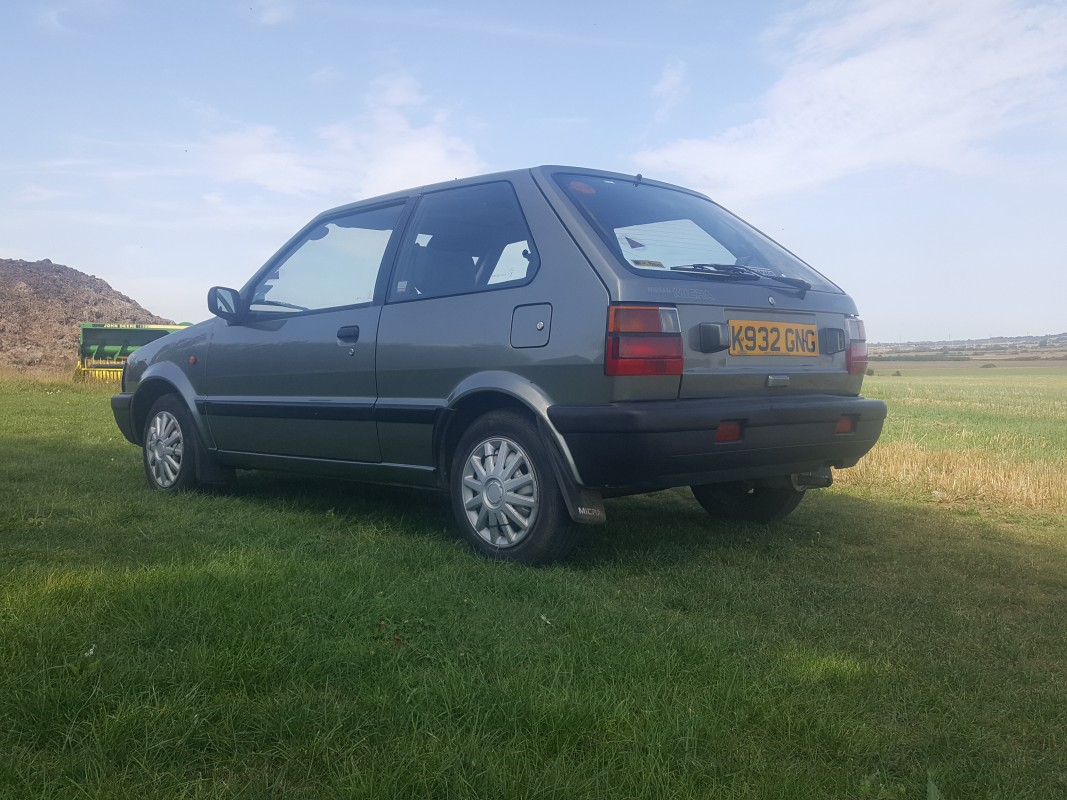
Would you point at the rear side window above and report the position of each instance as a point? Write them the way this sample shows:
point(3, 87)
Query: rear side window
point(464, 240)
point(662, 231)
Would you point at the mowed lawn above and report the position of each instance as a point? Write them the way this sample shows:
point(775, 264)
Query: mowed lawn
point(901, 635)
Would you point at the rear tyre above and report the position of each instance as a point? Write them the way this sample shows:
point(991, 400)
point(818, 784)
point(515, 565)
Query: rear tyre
point(504, 494)
point(749, 501)
point(171, 446)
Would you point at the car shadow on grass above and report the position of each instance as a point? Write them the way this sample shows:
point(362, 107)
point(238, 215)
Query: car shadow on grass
point(657, 524)
point(668, 527)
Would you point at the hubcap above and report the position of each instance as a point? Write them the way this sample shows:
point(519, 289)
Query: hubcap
point(500, 493)
point(163, 448)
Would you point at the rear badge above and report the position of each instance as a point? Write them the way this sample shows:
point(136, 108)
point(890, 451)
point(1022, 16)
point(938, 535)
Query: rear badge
point(770, 300)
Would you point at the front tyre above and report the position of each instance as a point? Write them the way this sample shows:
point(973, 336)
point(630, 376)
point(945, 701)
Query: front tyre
point(504, 494)
point(749, 501)
point(170, 447)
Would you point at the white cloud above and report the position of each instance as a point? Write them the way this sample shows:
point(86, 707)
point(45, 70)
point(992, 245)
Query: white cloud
point(395, 91)
point(272, 12)
point(671, 88)
point(48, 19)
point(325, 76)
point(872, 85)
point(258, 154)
point(34, 193)
point(56, 19)
point(395, 143)
point(453, 19)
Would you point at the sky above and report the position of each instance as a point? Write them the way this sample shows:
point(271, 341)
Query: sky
point(914, 151)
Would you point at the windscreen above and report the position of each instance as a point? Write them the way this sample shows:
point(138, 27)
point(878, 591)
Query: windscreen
point(663, 231)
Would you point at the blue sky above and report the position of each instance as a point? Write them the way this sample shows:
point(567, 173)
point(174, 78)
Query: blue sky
point(915, 151)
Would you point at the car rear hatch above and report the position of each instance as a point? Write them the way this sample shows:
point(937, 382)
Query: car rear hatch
point(728, 358)
point(752, 318)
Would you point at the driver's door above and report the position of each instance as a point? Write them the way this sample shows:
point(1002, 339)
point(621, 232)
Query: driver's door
point(296, 375)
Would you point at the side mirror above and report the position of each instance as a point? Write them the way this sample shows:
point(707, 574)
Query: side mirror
point(225, 303)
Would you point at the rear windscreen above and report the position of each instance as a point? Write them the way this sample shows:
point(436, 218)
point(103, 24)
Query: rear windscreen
point(663, 231)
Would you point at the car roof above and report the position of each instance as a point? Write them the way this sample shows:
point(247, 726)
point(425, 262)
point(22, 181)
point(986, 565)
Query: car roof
point(544, 171)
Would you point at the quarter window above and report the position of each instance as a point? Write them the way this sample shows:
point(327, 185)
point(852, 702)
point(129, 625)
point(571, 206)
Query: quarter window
point(335, 264)
point(465, 240)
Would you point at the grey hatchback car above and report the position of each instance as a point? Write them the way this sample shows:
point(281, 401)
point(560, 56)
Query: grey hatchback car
point(528, 342)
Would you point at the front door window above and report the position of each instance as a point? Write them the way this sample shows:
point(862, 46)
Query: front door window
point(336, 264)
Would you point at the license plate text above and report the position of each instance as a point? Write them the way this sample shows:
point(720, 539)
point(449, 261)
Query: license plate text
point(762, 338)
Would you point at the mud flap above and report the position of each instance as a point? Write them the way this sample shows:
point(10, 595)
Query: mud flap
point(586, 506)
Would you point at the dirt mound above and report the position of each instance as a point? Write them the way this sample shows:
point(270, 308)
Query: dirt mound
point(41, 304)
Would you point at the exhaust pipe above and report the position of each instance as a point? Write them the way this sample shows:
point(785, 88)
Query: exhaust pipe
point(819, 479)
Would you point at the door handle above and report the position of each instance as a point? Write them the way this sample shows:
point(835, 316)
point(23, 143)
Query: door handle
point(348, 334)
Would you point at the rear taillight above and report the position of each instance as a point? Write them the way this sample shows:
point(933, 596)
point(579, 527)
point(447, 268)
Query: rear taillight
point(856, 356)
point(643, 340)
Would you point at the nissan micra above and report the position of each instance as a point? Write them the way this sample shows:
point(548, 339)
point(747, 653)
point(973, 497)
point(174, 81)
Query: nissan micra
point(528, 342)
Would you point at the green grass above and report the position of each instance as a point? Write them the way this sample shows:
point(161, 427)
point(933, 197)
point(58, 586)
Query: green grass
point(308, 639)
point(1020, 413)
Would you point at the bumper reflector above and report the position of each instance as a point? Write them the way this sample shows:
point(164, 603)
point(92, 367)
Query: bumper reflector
point(728, 432)
point(846, 424)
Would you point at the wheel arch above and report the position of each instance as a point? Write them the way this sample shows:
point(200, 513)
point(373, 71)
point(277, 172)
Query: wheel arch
point(151, 389)
point(486, 392)
point(459, 416)
point(161, 379)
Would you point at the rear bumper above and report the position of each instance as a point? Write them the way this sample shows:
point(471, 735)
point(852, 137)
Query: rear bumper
point(659, 444)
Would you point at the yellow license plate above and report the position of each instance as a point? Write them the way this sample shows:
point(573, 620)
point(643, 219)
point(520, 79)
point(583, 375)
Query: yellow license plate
point(751, 337)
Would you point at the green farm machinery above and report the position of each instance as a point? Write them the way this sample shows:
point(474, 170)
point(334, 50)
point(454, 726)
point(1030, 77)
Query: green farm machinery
point(104, 347)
